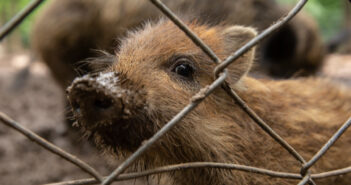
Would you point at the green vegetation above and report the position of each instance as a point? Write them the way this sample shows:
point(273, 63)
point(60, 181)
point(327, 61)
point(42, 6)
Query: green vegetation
point(9, 8)
point(329, 14)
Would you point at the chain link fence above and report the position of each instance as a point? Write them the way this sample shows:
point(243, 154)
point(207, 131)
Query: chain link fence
point(220, 74)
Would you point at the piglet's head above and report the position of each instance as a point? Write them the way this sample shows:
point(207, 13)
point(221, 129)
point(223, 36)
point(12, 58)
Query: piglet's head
point(156, 71)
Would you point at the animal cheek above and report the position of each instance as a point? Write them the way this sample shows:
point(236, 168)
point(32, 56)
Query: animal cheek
point(167, 86)
point(171, 95)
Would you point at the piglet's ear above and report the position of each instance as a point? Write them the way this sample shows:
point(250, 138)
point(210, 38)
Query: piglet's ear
point(235, 37)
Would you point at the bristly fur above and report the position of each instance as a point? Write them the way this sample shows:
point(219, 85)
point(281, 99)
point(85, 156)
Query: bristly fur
point(305, 112)
point(101, 62)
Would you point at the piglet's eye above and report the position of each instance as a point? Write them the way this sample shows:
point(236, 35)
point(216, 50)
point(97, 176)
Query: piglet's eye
point(184, 70)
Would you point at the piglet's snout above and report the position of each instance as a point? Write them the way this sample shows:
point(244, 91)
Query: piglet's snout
point(96, 99)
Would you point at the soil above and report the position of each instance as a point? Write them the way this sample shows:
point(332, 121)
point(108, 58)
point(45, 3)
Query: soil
point(37, 103)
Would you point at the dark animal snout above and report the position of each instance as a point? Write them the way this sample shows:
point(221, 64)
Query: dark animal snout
point(95, 100)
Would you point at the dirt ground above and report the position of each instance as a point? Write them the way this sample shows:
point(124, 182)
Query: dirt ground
point(38, 104)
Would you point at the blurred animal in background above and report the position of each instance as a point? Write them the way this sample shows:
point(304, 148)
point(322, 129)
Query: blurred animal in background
point(70, 31)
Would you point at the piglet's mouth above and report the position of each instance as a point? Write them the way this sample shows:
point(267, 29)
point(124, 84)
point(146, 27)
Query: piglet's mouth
point(123, 134)
point(107, 112)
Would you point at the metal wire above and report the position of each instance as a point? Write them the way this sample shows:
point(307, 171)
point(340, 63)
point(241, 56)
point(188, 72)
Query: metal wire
point(332, 173)
point(304, 180)
point(260, 37)
point(229, 60)
point(17, 19)
point(165, 10)
point(220, 75)
point(325, 148)
point(236, 55)
point(50, 147)
point(196, 100)
point(170, 168)
point(192, 165)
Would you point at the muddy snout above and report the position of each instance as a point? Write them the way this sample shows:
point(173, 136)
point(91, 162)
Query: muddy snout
point(96, 100)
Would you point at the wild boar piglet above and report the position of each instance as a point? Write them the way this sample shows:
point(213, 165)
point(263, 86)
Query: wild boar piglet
point(157, 69)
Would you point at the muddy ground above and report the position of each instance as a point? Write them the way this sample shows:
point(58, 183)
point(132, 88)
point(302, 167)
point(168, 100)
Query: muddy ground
point(38, 104)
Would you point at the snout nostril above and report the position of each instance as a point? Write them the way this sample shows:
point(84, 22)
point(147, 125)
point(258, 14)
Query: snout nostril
point(104, 103)
point(75, 105)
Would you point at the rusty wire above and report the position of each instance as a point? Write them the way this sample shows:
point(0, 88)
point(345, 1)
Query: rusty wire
point(17, 19)
point(220, 74)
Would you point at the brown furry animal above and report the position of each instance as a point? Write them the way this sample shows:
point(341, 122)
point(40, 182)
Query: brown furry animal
point(157, 70)
point(69, 31)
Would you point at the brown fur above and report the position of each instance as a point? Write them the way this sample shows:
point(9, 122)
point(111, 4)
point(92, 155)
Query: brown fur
point(69, 31)
point(305, 112)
